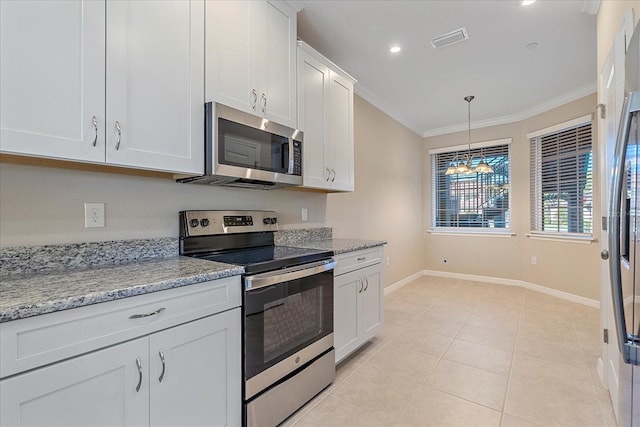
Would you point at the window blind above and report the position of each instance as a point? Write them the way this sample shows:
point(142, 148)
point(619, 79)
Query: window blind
point(562, 181)
point(477, 201)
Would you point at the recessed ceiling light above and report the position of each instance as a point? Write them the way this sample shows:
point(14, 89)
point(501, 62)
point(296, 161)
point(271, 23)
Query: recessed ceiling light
point(395, 49)
point(527, 2)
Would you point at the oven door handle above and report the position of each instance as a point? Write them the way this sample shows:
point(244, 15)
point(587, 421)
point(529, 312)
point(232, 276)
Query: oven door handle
point(261, 280)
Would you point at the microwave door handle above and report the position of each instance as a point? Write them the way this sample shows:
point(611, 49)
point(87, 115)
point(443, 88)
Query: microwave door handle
point(615, 202)
point(290, 169)
point(258, 281)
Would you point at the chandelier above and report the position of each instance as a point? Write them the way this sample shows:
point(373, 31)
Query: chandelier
point(464, 166)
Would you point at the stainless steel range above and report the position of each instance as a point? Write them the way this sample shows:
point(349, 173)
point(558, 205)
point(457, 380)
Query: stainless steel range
point(288, 354)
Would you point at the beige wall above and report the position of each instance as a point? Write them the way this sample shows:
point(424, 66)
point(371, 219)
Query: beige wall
point(387, 203)
point(44, 205)
point(564, 266)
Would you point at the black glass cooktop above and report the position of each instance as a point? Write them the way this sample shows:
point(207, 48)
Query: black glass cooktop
point(266, 258)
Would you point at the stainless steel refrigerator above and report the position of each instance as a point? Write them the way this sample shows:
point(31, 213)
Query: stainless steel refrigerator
point(624, 240)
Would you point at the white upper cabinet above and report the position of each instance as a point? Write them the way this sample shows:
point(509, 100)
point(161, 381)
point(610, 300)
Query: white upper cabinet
point(54, 102)
point(251, 58)
point(325, 115)
point(52, 59)
point(155, 84)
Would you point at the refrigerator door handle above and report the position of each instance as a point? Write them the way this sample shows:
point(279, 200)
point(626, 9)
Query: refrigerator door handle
point(629, 345)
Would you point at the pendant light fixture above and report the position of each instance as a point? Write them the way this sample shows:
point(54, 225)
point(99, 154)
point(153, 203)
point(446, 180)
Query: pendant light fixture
point(464, 166)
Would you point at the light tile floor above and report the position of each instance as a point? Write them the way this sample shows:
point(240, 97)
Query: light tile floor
point(460, 353)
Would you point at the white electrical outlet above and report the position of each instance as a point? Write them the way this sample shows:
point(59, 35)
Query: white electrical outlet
point(388, 262)
point(534, 260)
point(93, 215)
point(303, 214)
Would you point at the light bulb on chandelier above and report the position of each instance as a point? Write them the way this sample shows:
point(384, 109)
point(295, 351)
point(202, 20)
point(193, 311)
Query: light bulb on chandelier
point(464, 166)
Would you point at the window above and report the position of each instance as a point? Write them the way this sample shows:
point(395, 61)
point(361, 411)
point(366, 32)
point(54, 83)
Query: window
point(472, 202)
point(562, 179)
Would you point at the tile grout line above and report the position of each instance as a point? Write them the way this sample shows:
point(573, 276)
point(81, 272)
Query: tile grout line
point(513, 357)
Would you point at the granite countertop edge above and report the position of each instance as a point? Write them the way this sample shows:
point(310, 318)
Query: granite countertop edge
point(68, 299)
point(341, 246)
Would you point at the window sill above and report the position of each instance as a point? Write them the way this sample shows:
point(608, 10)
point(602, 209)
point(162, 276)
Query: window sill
point(585, 240)
point(467, 233)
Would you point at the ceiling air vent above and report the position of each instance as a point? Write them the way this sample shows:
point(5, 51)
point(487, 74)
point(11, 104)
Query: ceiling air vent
point(448, 39)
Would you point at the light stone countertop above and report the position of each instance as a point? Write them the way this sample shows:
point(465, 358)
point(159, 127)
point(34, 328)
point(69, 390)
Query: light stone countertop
point(341, 246)
point(34, 294)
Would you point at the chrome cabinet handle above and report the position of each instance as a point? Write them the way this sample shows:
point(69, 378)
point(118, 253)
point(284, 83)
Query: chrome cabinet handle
point(263, 103)
point(334, 175)
point(361, 286)
point(362, 258)
point(95, 128)
point(119, 135)
point(255, 99)
point(139, 365)
point(367, 284)
point(161, 354)
point(328, 174)
point(153, 313)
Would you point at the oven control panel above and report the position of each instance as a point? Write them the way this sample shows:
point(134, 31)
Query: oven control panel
point(203, 223)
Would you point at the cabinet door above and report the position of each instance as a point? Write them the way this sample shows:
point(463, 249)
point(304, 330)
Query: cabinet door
point(313, 96)
point(97, 389)
point(341, 132)
point(371, 301)
point(155, 85)
point(231, 54)
point(201, 384)
point(52, 78)
point(346, 323)
point(278, 66)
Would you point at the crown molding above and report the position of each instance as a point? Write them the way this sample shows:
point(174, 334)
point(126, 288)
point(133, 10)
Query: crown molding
point(528, 113)
point(372, 99)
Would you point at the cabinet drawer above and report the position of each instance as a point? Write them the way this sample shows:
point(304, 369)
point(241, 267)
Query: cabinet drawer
point(35, 341)
point(355, 260)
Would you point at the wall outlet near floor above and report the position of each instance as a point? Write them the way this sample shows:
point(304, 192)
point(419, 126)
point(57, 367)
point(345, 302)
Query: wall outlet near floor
point(93, 215)
point(388, 262)
point(303, 214)
point(534, 260)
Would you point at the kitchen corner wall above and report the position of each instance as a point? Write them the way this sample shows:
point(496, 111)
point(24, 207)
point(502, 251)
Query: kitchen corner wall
point(387, 201)
point(45, 205)
point(561, 265)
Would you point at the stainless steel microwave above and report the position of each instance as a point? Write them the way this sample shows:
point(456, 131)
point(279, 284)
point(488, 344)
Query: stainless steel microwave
point(244, 150)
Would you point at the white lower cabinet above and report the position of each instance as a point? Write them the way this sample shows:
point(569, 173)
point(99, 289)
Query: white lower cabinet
point(97, 389)
point(358, 300)
point(183, 375)
point(201, 382)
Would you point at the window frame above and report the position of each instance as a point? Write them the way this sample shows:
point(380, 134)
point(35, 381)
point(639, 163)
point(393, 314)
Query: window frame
point(535, 188)
point(470, 231)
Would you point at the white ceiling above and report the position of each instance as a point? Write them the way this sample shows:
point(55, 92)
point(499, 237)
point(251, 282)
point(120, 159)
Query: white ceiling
point(423, 88)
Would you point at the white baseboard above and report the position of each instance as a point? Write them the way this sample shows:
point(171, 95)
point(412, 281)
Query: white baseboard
point(497, 280)
point(403, 282)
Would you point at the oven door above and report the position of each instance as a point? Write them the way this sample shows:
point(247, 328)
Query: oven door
point(288, 322)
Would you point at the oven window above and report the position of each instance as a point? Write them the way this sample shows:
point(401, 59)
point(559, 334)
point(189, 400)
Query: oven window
point(282, 319)
point(291, 321)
